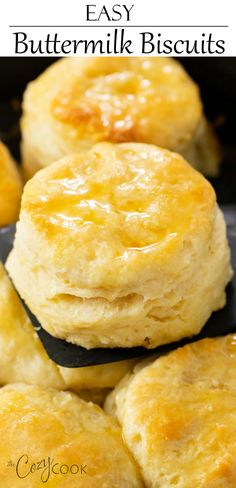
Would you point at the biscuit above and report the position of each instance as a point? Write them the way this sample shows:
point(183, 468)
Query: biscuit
point(103, 376)
point(78, 102)
point(10, 188)
point(23, 358)
point(56, 438)
point(178, 416)
point(95, 395)
point(121, 246)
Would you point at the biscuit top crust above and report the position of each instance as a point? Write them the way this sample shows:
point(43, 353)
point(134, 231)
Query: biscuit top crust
point(151, 100)
point(182, 408)
point(118, 209)
point(10, 187)
point(43, 422)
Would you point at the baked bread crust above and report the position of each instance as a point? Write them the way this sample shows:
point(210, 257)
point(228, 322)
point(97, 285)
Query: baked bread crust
point(127, 247)
point(10, 188)
point(178, 416)
point(78, 102)
point(59, 427)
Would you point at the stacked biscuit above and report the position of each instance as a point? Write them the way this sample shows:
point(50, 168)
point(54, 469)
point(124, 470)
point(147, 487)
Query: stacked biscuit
point(10, 188)
point(120, 243)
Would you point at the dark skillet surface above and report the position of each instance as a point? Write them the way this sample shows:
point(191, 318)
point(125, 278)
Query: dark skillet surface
point(217, 80)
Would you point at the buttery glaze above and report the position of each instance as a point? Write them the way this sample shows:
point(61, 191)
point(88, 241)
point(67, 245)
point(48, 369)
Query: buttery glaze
point(10, 188)
point(148, 100)
point(23, 358)
point(178, 416)
point(56, 433)
point(132, 197)
point(78, 102)
point(127, 247)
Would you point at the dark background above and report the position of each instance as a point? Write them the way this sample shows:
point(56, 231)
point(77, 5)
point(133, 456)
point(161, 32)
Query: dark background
point(215, 76)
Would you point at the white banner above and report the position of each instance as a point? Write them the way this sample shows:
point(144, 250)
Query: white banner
point(136, 27)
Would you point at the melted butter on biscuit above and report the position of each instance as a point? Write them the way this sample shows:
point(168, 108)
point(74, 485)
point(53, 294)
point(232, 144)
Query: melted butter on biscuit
point(125, 99)
point(178, 416)
point(130, 197)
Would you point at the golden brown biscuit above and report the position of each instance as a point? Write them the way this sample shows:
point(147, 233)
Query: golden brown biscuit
point(10, 188)
point(103, 376)
point(58, 439)
point(95, 395)
point(127, 247)
point(178, 416)
point(78, 102)
point(23, 358)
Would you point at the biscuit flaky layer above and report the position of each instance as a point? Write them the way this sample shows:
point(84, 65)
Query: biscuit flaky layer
point(23, 358)
point(121, 246)
point(39, 425)
point(78, 102)
point(178, 416)
point(10, 188)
